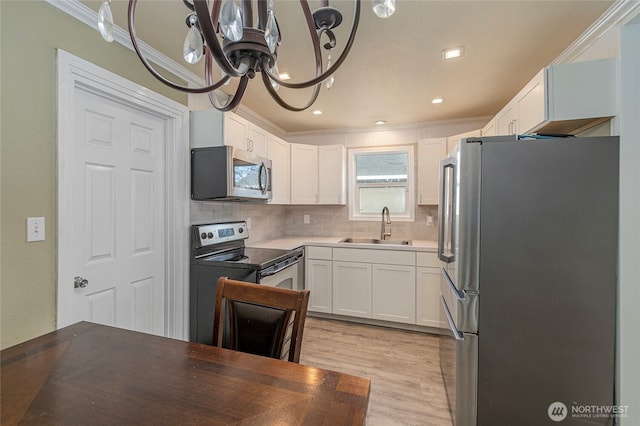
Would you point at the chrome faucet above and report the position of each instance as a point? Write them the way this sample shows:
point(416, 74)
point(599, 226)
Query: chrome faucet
point(383, 231)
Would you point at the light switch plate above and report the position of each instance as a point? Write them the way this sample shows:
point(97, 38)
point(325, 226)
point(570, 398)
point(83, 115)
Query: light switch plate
point(35, 229)
point(306, 219)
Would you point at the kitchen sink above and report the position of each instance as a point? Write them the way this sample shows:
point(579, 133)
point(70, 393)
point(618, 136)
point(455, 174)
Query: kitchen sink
point(376, 241)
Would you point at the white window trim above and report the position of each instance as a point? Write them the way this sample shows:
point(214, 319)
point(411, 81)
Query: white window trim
point(410, 197)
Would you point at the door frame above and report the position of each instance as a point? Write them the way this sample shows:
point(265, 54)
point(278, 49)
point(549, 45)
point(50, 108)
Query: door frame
point(74, 72)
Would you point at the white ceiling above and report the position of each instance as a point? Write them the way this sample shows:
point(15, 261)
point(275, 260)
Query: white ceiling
point(395, 67)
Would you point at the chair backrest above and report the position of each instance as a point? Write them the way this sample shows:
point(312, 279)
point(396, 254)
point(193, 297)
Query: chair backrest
point(260, 318)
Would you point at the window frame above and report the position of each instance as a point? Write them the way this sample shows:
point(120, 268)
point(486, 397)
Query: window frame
point(354, 198)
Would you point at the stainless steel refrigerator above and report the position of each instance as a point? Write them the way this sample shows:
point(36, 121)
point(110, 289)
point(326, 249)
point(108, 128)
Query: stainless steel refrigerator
point(529, 239)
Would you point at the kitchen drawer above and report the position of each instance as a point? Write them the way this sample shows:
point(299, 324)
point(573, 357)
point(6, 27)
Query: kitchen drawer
point(427, 260)
point(389, 257)
point(322, 253)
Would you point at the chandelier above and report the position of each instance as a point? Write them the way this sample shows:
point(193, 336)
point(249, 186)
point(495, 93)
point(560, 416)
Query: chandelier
point(225, 33)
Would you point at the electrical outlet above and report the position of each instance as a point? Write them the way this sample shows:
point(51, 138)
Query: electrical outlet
point(429, 220)
point(307, 219)
point(35, 229)
point(248, 223)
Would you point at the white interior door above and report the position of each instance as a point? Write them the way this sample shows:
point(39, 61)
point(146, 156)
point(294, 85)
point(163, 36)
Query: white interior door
point(123, 202)
point(118, 215)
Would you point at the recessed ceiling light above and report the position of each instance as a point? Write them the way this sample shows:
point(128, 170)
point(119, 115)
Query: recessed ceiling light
point(455, 52)
point(284, 76)
point(317, 112)
point(437, 100)
point(381, 122)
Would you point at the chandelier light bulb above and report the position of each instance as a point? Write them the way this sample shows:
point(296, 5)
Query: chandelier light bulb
point(193, 47)
point(329, 82)
point(384, 8)
point(105, 21)
point(271, 33)
point(231, 20)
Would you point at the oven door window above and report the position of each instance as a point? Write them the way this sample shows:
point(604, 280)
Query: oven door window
point(249, 176)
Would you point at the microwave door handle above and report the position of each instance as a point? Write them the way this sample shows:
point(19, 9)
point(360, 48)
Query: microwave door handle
point(262, 169)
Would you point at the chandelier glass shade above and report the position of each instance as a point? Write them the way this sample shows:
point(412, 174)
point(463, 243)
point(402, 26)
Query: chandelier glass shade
point(225, 32)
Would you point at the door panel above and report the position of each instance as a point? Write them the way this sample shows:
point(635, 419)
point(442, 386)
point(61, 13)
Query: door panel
point(118, 214)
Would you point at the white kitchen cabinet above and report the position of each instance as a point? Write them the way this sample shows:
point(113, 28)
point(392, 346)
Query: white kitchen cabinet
point(244, 135)
point(304, 174)
point(319, 278)
point(213, 128)
point(531, 103)
point(332, 174)
point(430, 153)
point(352, 285)
point(318, 174)
point(428, 290)
point(394, 293)
point(507, 119)
point(562, 98)
point(279, 153)
point(428, 297)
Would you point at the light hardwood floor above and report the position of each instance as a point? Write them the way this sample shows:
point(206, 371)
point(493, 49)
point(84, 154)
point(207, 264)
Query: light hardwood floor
point(406, 383)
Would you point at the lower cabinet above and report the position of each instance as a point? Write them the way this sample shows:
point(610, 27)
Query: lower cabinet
point(394, 293)
point(428, 297)
point(319, 280)
point(352, 289)
point(375, 284)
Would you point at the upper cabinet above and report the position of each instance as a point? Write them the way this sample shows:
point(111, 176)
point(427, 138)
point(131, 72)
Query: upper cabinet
point(244, 135)
point(318, 174)
point(332, 174)
point(430, 152)
point(213, 128)
point(279, 153)
point(304, 174)
point(562, 98)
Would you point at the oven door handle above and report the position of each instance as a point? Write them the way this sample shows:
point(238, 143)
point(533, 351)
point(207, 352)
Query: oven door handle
point(274, 270)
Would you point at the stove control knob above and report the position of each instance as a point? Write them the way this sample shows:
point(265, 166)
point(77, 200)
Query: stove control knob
point(240, 230)
point(210, 235)
point(203, 235)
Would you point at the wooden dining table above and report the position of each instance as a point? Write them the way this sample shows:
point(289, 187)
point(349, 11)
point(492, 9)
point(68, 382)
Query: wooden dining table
point(90, 374)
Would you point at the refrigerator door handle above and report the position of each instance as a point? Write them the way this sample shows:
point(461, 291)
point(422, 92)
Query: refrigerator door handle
point(447, 211)
point(454, 290)
point(452, 325)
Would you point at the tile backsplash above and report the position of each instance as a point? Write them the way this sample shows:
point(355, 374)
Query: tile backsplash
point(273, 221)
point(334, 221)
point(266, 221)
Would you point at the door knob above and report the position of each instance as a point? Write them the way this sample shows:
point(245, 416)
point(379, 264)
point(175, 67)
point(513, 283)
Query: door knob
point(79, 282)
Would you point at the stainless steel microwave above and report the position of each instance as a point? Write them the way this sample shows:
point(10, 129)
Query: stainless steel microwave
point(225, 173)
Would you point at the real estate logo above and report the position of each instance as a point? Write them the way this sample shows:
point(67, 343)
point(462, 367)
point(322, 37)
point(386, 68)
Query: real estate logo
point(557, 411)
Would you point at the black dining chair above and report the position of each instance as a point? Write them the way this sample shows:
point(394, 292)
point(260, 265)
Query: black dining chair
point(261, 320)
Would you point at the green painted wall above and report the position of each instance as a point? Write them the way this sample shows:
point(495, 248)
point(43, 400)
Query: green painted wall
point(30, 33)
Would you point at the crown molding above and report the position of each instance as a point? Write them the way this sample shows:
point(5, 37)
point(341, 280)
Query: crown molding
point(89, 17)
point(618, 12)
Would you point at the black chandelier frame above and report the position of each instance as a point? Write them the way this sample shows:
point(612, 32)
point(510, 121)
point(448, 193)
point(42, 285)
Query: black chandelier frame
point(251, 54)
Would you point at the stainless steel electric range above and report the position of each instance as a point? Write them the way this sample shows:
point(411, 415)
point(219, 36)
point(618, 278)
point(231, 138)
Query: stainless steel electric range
point(217, 250)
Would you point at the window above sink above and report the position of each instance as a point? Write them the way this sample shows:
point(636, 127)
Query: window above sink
point(380, 177)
